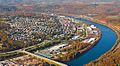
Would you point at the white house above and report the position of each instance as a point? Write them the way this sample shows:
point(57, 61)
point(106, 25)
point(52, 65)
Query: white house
point(75, 38)
point(92, 26)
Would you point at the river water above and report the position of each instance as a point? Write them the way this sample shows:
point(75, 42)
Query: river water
point(106, 42)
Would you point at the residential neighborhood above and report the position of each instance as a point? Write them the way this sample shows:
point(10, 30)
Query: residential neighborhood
point(48, 35)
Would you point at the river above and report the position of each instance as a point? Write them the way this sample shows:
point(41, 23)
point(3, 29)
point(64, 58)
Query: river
point(106, 42)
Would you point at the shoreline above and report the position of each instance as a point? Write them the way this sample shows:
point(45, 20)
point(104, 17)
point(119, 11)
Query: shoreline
point(115, 45)
point(80, 51)
point(73, 56)
point(97, 40)
point(83, 50)
point(89, 47)
point(114, 48)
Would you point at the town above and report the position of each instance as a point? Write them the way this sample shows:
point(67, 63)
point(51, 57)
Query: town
point(49, 36)
point(59, 32)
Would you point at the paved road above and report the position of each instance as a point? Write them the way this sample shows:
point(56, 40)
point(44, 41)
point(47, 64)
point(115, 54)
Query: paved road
point(46, 59)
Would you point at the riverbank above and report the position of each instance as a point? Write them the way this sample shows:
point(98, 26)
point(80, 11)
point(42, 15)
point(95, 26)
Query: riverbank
point(88, 47)
point(102, 23)
point(93, 37)
point(81, 52)
point(87, 56)
point(114, 48)
point(103, 46)
point(111, 27)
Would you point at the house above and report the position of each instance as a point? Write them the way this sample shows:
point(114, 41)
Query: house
point(89, 28)
point(92, 26)
point(85, 41)
point(75, 38)
point(91, 40)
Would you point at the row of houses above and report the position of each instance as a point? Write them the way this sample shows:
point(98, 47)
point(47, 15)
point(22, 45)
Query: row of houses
point(23, 27)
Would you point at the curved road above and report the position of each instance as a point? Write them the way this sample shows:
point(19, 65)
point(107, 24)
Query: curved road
point(106, 42)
